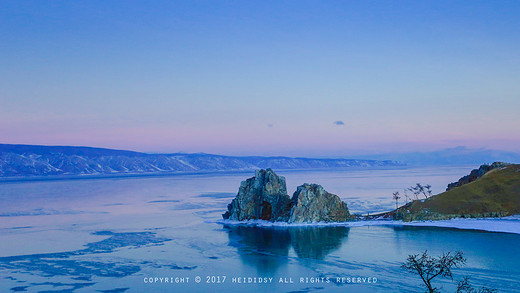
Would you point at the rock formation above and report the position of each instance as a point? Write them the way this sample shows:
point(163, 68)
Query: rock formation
point(311, 203)
point(476, 174)
point(264, 197)
point(261, 197)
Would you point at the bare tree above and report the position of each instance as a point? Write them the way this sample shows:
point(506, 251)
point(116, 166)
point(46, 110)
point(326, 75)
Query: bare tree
point(465, 287)
point(428, 189)
point(413, 189)
point(419, 189)
point(429, 267)
point(406, 197)
point(396, 197)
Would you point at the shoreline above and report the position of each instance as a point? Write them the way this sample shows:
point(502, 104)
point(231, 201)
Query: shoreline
point(510, 224)
point(122, 175)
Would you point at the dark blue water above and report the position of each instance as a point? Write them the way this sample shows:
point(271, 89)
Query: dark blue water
point(118, 234)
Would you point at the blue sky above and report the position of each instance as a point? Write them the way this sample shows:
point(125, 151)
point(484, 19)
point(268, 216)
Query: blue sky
point(261, 77)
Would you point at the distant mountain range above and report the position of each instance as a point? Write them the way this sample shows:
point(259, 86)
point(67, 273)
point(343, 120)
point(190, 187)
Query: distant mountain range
point(453, 156)
point(36, 160)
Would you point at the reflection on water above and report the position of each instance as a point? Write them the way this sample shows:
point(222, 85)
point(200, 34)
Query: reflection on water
point(267, 248)
point(316, 242)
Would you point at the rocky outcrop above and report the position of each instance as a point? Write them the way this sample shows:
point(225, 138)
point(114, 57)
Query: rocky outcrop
point(476, 174)
point(261, 197)
point(264, 197)
point(311, 203)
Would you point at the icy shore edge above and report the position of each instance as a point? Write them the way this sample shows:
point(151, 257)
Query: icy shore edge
point(509, 224)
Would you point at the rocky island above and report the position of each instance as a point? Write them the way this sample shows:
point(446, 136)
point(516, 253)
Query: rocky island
point(264, 197)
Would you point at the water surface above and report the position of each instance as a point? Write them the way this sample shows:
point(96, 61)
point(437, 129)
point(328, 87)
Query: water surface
point(113, 234)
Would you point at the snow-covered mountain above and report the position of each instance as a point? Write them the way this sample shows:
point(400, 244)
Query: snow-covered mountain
point(460, 155)
point(33, 160)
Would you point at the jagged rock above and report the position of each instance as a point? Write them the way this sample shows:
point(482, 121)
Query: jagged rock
point(311, 203)
point(476, 174)
point(265, 197)
point(261, 197)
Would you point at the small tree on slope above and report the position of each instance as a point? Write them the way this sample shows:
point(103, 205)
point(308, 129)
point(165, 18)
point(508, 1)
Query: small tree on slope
point(396, 197)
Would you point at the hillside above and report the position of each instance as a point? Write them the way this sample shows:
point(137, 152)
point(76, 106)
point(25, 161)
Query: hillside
point(31, 160)
point(496, 193)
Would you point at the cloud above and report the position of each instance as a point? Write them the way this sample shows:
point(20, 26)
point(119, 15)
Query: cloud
point(269, 125)
point(339, 122)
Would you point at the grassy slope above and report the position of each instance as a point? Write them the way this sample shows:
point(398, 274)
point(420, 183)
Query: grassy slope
point(497, 193)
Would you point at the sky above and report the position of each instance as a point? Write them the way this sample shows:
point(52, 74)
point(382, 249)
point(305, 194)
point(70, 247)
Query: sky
point(295, 78)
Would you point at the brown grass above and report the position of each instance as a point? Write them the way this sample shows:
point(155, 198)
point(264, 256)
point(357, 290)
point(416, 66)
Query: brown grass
point(498, 191)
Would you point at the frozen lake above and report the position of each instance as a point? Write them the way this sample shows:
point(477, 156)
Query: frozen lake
point(132, 234)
